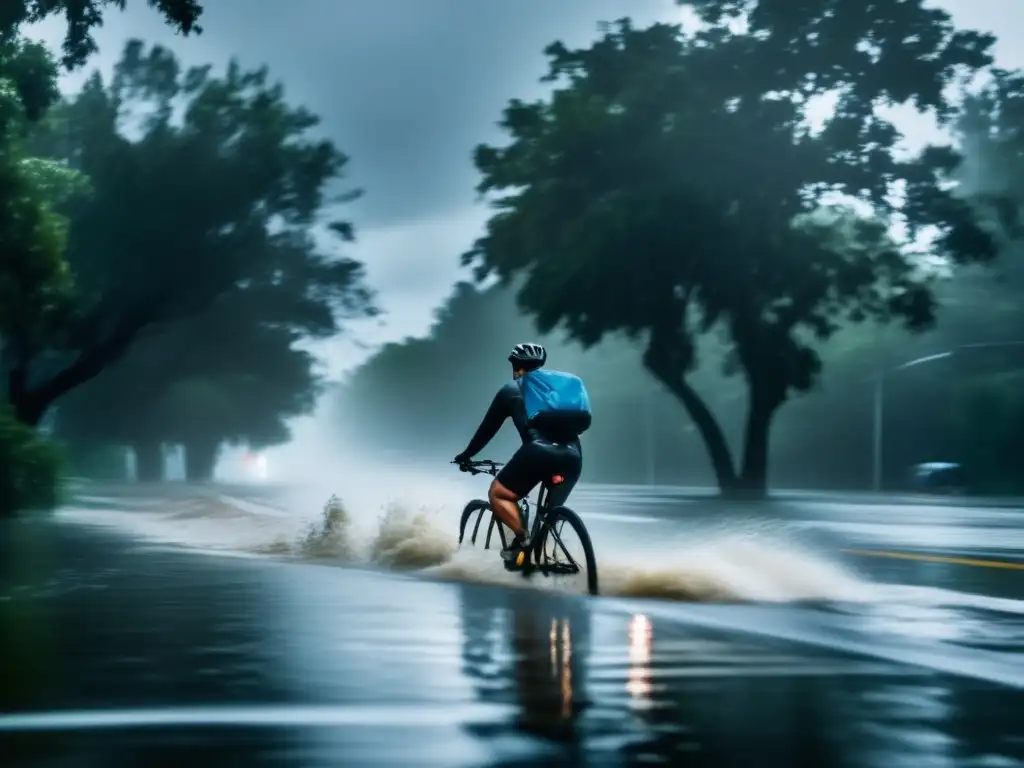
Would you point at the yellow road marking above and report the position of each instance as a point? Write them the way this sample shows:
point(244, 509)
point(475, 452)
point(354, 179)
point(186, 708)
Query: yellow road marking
point(1014, 566)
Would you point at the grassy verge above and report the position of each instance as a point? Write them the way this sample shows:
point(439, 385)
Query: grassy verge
point(30, 467)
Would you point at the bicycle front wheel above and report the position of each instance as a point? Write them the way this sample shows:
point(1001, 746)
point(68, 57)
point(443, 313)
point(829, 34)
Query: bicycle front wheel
point(563, 549)
point(473, 516)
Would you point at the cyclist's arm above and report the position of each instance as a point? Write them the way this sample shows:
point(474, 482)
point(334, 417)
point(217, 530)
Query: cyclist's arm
point(493, 419)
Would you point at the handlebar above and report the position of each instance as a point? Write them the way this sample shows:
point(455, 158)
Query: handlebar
point(484, 466)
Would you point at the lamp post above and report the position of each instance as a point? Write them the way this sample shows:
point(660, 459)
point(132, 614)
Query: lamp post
point(879, 398)
point(650, 434)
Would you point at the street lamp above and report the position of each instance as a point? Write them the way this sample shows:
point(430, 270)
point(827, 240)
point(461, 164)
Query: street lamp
point(649, 413)
point(879, 380)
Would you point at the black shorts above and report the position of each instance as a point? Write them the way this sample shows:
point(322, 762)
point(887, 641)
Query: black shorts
point(536, 463)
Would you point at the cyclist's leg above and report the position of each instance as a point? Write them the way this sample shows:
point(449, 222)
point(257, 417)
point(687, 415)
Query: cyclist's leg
point(515, 480)
point(504, 503)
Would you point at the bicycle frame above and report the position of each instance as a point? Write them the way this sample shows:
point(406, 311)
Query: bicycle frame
point(491, 468)
point(524, 511)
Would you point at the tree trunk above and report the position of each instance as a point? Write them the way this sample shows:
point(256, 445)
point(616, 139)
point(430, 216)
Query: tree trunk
point(29, 411)
point(754, 473)
point(707, 426)
point(200, 460)
point(711, 433)
point(149, 461)
point(30, 403)
point(25, 407)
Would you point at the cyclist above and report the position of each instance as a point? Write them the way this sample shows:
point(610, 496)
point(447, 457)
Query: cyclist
point(547, 451)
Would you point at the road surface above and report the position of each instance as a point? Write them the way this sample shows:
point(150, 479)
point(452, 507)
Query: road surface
point(226, 626)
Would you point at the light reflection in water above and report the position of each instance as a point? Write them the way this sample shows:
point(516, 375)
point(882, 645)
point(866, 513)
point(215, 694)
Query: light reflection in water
point(561, 663)
point(638, 683)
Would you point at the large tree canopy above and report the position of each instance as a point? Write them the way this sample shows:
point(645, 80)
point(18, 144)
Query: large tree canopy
point(35, 282)
point(31, 234)
point(462, 363)
point(216, 228)
point(84, 15)
point(671, 186)
point(228, 206)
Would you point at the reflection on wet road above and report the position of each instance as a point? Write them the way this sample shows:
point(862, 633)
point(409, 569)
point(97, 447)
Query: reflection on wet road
point(124, 653)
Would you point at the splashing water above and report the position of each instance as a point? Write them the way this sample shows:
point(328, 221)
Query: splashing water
point(331, 537)
point(736, 567)
point(407, 540)
point(721, 566)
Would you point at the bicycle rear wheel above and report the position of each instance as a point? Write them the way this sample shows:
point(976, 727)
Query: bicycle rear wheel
point(473, 515)
point(563, 548)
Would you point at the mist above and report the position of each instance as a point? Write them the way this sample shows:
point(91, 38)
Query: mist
point(414, 404)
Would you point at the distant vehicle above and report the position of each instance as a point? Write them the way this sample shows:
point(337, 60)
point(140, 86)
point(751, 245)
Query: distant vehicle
point(939, 477)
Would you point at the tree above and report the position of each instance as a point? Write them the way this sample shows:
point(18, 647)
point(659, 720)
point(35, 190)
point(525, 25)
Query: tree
point(34, 280)
point(35, 284)
point(83, 15)
point(31, 467)
point(461, 362)
point(671, 187)
point(986, 426)
point(231, 357)
point(36, 287)
point(237, 383)
point(228, 207)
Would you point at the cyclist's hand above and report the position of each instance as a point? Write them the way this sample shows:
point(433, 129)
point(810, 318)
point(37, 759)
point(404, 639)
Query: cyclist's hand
point(463, 461)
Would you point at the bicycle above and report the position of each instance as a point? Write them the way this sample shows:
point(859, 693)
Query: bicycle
point(546, 529)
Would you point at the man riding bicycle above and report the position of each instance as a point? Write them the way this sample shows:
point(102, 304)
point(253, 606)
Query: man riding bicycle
point(550, 454)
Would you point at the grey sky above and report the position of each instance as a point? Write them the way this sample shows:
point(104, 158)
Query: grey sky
point(407, 88)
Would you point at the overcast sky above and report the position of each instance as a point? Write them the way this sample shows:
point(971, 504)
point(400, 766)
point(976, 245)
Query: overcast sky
point(407, 88)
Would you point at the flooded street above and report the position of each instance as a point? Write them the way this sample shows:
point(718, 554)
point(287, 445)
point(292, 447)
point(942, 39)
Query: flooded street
point(288, 291)
point(236, 626)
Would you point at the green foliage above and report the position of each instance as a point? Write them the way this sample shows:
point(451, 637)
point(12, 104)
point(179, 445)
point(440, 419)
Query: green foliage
point(985, 409)
point(660, 193)
point(888, 51)
point(31, 467)
point(84, 15)
point(226, 262)
point(36, 287)
point(461, 364)
point(29, 76)
point(224, 214)
point(990, 131)
point(988, 430)
point(35, 284)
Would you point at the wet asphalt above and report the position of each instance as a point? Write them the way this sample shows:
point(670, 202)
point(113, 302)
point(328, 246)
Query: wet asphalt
point(118, 652)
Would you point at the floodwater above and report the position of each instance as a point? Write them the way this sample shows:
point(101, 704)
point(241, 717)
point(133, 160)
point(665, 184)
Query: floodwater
point(259, 626)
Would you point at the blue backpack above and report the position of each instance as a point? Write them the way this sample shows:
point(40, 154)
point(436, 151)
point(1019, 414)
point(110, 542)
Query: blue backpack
point(556, 402)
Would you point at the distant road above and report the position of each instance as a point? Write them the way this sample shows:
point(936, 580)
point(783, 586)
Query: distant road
point(661, 492)
point(795, 494)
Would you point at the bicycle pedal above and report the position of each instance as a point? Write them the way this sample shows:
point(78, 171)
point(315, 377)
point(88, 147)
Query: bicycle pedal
point(526, 570)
